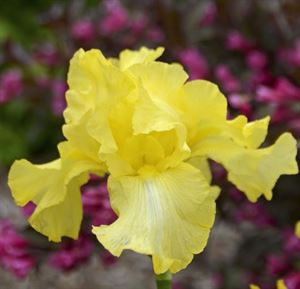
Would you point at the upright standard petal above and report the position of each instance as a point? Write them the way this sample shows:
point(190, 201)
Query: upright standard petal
point(167, 215)
point(143, 55)
point(55, 189)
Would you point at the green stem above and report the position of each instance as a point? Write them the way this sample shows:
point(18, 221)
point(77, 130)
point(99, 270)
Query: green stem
point(164, 281)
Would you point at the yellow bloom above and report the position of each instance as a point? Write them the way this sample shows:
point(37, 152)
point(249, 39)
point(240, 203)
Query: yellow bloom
point(140, 121)
point(297, 229)
point(280, 285)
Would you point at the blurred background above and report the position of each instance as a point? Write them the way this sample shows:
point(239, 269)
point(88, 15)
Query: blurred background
point(250, 48)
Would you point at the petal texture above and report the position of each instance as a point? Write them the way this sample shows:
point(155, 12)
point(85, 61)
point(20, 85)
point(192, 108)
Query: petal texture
point(55, 189)
point(253, 171)
point(166, 215)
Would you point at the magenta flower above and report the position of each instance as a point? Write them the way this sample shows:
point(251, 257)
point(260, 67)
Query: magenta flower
point(209, 15)
point(115, 20)
point(83, 31)
point(58, 88)
point(194, 62)
point(277, 264)
point(11, 84)
point(72, 253)
point(47, 54)
point(237, 42)
point(256, 60)
point(96, 204)
point(241, 103)
point(254, 213)
point(14, 255)
point(227, 80)
point(292, 281)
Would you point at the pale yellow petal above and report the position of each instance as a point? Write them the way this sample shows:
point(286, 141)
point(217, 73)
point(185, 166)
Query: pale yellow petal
point(143, 55)
point(253, 171)
point(84, 80)
point(250, 134)
point(54, 188)
point(159, 79)
point(167, 215)
point(254, 287)
point(202, 108)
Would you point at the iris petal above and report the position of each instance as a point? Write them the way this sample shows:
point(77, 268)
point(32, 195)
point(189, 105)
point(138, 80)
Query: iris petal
point(167, 215)
point(55, 189)
point(253, 171)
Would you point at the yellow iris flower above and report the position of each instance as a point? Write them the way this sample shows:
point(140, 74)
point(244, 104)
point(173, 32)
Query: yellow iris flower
point(152, 131)
point(297, 229)
point(280, 285)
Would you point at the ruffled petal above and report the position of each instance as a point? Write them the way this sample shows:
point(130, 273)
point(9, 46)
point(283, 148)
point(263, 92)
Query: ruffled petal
point(249, 134)
point(143, 55)
point(253, 171)
point(79, 138)
point(84, 80)
point(54, 188)
point(166, 215)
point(160, 79)
point(203, 109)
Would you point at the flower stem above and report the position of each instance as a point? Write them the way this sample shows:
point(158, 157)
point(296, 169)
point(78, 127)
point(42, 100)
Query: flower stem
point(164, 281)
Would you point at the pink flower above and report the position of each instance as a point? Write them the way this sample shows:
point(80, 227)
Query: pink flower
point(47, 54)
point(256, 60)
point(291, 242)
point(72, 253)
point(291, 56)
point(282, 91)
point(209, 15)
point(28, 209)
point(155, 34)
point(96, 204)
point(107, 258)
point(241, 103)
point(228, 81)
point(277, 264)
point(58, 88)
point(254, 213)
point(14, 255)
point(115, 20)
point(292, 281)
point(83, 31)
point(237, 42)
point(194, 62)
point(11, 84)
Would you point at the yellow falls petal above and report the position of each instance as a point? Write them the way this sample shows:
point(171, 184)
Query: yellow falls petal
point(252, 286)
point(54, 188)
point(143, 55)
point(253, 171)
point(166, 215)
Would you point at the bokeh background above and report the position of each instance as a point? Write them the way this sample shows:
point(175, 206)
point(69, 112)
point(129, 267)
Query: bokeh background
point(250, 48)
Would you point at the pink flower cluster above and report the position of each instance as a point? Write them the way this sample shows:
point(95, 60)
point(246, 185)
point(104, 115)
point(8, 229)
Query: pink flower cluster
point(14, 251)
point(72, 253)
point(96, 203)
point(11, 85)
